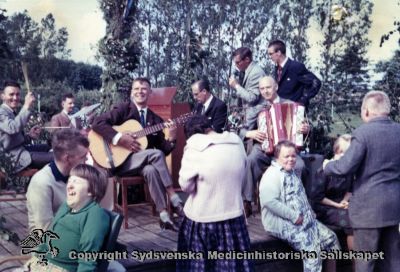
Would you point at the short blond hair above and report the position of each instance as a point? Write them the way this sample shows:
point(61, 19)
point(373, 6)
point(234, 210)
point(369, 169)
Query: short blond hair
point(377, 102)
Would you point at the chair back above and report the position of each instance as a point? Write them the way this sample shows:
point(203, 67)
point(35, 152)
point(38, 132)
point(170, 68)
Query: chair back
point(111, 239)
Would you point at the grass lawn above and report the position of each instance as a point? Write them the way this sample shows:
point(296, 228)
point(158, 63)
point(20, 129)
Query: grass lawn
point(339, 128)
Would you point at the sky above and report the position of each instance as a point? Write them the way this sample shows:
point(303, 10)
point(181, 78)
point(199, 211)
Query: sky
point(85, 25)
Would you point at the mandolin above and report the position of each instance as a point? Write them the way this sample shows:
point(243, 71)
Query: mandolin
point(109, 156)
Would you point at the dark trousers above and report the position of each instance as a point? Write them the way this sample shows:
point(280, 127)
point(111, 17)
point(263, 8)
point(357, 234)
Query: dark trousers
point(385, 239)
point(40, 155)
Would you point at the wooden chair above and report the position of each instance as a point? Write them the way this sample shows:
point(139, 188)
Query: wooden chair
point(123, 183)
point(28, 172)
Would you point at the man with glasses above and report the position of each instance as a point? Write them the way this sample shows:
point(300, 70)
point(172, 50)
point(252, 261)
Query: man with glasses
point(247, 90)
point(295, 82)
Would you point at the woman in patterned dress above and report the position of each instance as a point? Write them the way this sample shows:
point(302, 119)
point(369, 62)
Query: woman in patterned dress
point(286, 213)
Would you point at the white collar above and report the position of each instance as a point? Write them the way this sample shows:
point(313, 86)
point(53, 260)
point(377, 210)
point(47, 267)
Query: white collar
point(144, 111)
point(208, 102)
point(284, 62)
point(276, 100)
point(140, 108)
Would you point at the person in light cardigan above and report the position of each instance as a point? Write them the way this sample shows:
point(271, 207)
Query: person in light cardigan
point(212, 173)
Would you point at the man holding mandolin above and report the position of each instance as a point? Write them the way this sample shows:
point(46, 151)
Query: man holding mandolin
point(12, 137)
point(119, 133)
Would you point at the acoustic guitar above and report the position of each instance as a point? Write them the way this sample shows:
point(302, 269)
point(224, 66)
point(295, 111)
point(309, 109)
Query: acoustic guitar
point(110, 156)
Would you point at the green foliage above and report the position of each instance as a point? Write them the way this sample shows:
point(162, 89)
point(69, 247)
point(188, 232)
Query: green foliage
point(29, 40)
point(183, 40)
point(51, 93)
point(118, 50)
point(343, 65)
point(5, 52)
point(23, 36)
point(88, 98)
point(7, 166)
point(53, 42)
point(43, 48)
point(390, 82)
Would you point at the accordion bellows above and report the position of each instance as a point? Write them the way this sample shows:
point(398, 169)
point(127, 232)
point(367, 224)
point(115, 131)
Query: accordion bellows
point(281, 122)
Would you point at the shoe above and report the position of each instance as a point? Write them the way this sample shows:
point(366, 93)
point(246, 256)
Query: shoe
point(248, 209)
point(169, 225)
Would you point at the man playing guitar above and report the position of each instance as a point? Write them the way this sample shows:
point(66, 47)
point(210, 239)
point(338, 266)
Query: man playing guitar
point(150, 163)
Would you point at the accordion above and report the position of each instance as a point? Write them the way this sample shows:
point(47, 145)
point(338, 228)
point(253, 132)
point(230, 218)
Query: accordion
point(281, 122)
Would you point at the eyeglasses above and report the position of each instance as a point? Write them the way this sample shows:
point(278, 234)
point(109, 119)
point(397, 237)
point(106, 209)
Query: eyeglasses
point(237, 62)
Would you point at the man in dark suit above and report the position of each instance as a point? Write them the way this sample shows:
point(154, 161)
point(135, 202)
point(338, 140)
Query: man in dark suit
point(374, 209)
point(209, 105)
point(295, 82)
point(13, 140)
point(149, 163)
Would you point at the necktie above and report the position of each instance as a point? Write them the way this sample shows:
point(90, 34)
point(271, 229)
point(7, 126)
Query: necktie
point(142, 120)
point(203, 110)
point(279, 73)
point(241, 78)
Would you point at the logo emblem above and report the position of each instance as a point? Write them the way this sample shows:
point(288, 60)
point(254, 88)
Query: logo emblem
point(39, 242)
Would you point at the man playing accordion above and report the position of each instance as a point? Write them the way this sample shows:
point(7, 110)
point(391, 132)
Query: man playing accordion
point(258, 160)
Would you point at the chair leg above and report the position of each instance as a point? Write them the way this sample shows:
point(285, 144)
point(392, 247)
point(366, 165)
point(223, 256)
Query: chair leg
point(124, 192)
point(115, 194)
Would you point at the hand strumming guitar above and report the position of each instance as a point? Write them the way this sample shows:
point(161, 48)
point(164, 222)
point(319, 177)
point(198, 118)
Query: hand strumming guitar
point(128, 141)
point(172, 130)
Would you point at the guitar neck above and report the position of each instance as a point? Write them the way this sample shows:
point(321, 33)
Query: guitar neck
point(155, 128)
point(150, 130)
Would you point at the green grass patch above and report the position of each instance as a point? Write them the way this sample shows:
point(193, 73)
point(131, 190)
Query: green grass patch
point(338, 127)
